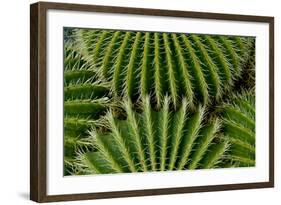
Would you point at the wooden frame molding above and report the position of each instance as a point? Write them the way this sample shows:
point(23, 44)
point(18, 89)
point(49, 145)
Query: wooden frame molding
point(38, 101)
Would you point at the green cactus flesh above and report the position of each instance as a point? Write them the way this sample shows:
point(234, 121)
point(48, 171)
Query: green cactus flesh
point(151, 101)
point(238, 117)
point(86, 99)
point(199, 68)
point(155, 141)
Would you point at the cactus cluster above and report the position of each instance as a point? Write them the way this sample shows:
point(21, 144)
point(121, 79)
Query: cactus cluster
point(150, 101)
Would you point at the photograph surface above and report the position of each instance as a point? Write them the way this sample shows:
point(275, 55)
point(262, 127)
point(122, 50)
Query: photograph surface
point(138, 101)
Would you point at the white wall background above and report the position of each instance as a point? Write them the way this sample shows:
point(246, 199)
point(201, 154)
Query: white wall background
point(14, 101)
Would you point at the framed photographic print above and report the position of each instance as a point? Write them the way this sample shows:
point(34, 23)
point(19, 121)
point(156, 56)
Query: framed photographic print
point(133, 102)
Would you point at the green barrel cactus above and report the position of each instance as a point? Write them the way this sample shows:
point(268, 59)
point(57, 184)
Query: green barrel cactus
point(152, 140)
point(199, 68)
point(238, 117)
point(150, 101)
point(85, 100)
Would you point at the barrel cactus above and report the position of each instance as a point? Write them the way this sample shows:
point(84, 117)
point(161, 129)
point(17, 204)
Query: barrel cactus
point(150, 101)
point(197, 67)
point(85, 100)
point(238, 117)
point(155, 141)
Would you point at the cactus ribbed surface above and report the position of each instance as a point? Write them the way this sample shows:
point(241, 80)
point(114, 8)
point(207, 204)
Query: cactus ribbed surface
point(199, 68)
point(155, 141)
point(85, 100)
point(139, 101)
point(238, 117)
